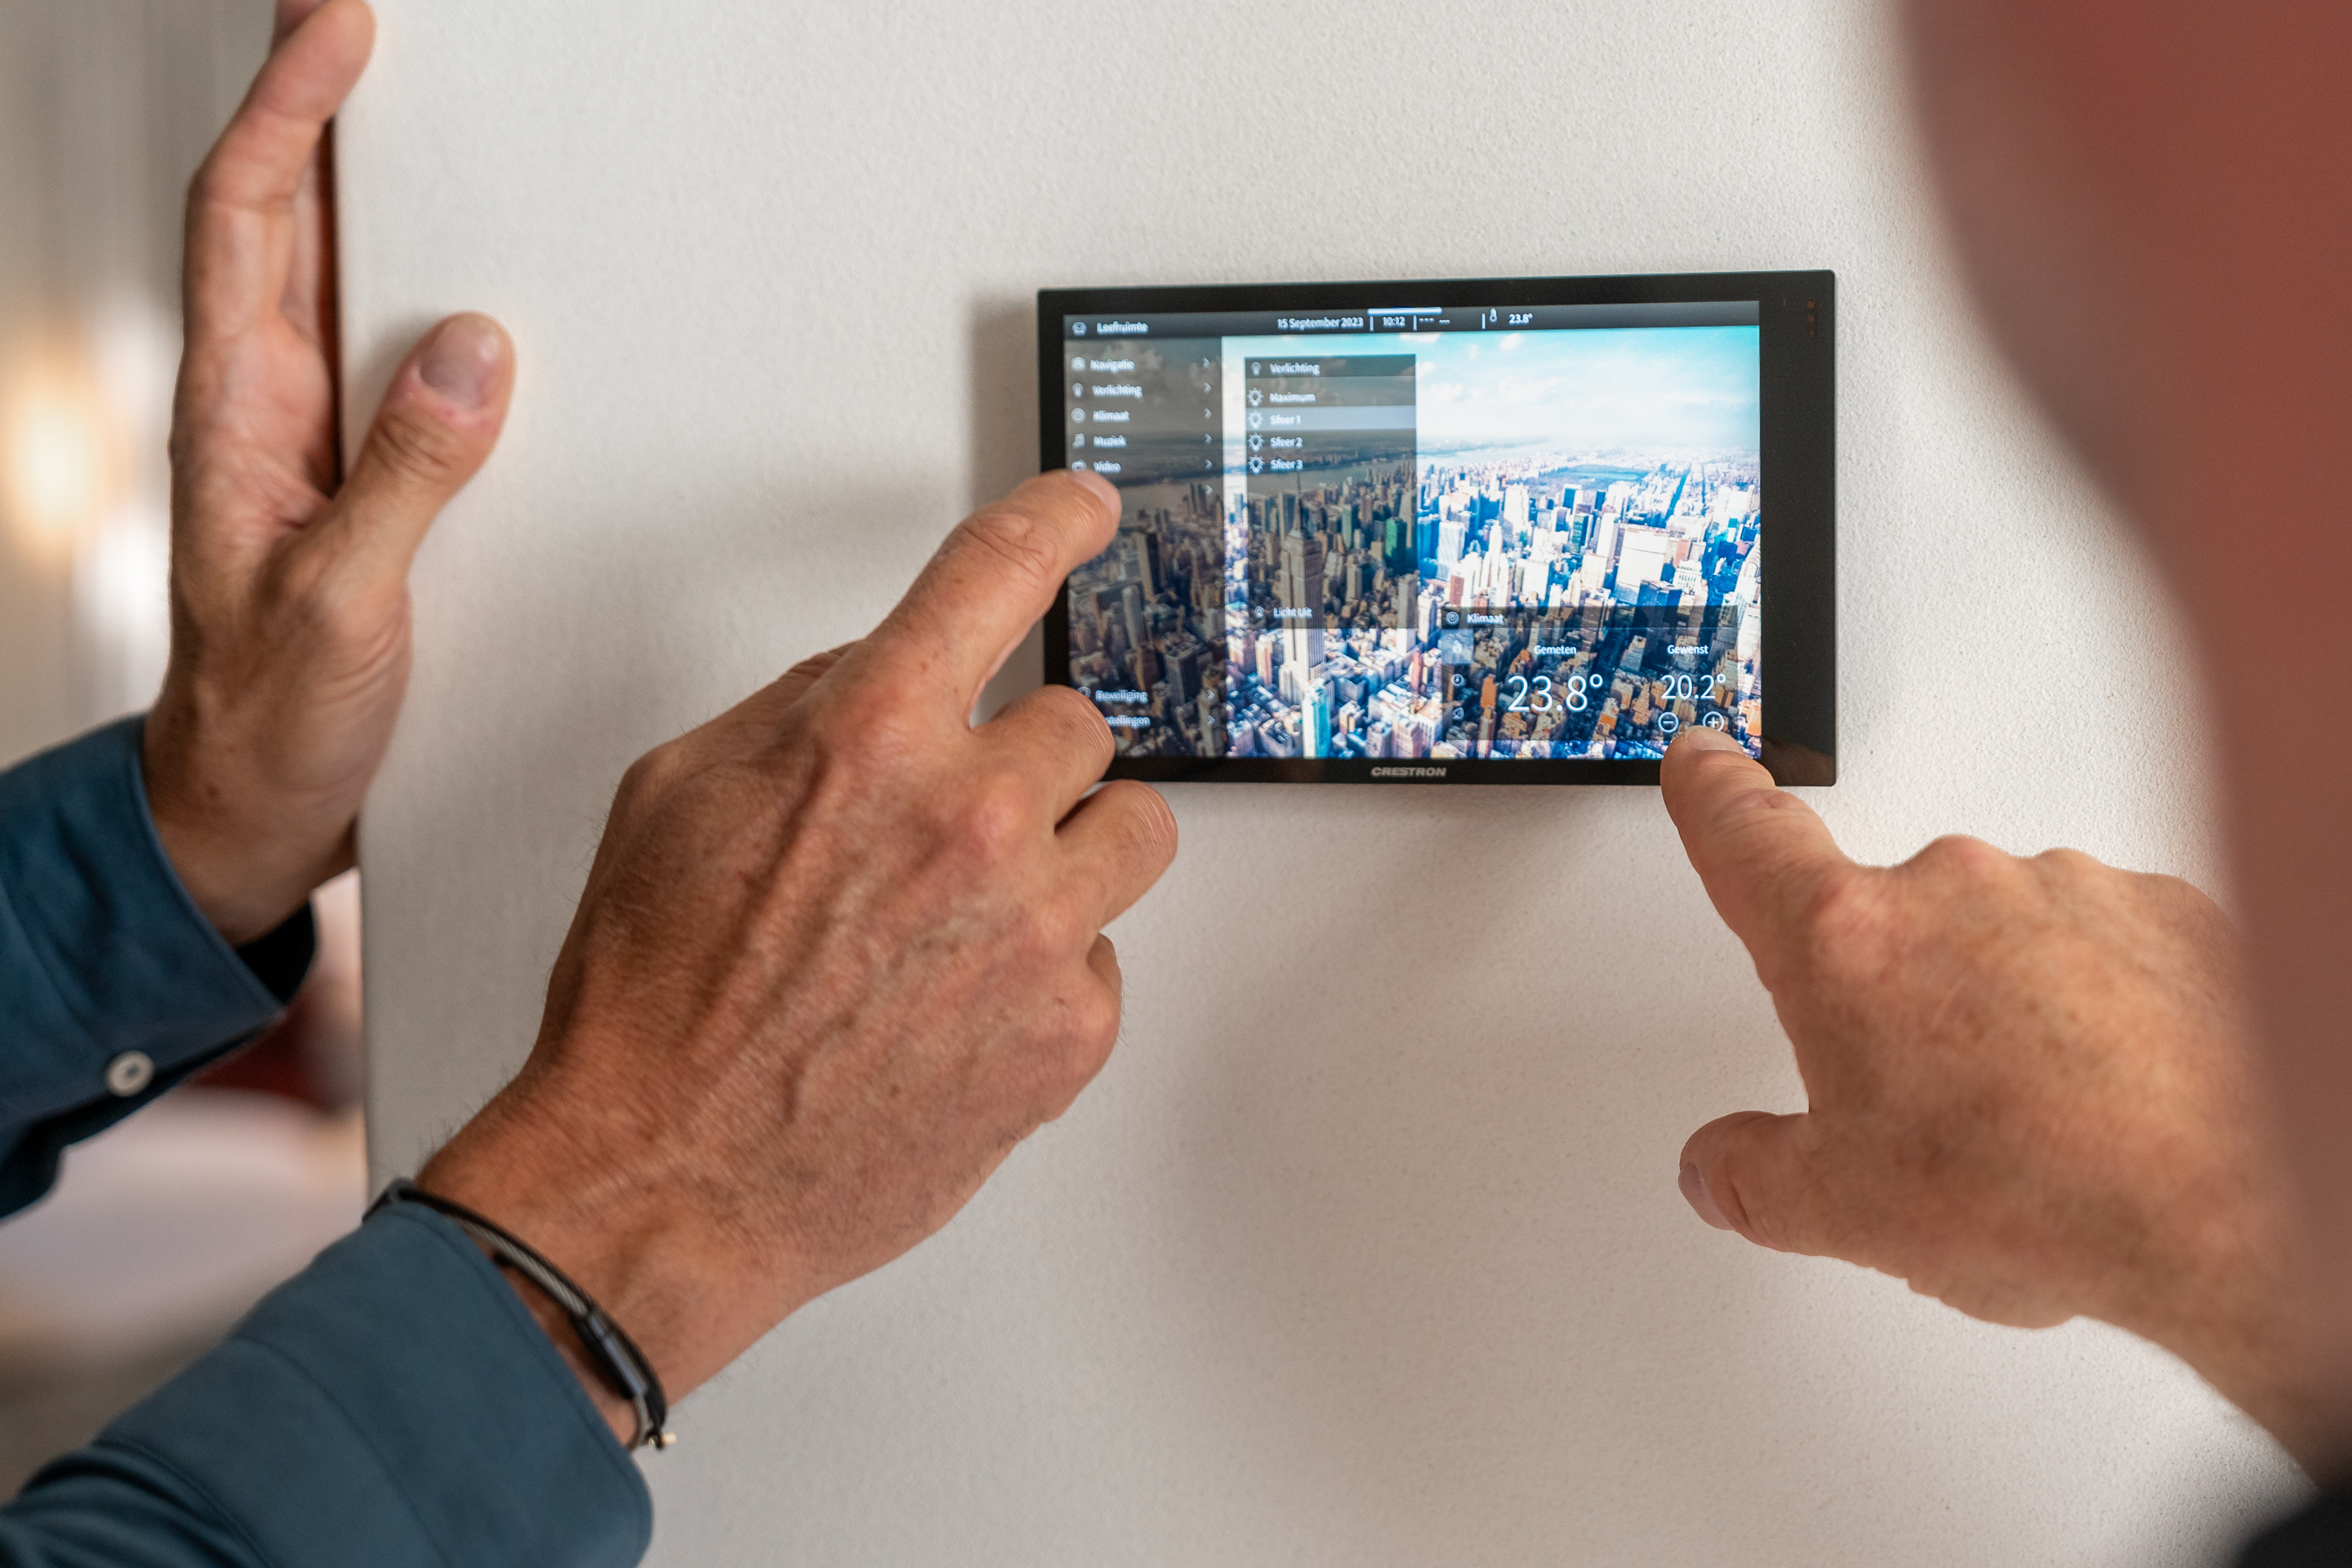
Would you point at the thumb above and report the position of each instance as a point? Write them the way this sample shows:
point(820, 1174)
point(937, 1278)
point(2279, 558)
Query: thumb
point(437, 424)
point(291, 13)
point(1750, 1173)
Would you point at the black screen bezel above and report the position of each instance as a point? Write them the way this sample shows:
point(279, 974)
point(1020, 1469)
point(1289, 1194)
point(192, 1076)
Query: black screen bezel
point(1797, 464)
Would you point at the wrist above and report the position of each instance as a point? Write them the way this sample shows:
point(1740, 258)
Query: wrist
point(556, 1324)
point(2281, 1389)
point(245, 876)
point(627, 1232)
point(2241, 1315)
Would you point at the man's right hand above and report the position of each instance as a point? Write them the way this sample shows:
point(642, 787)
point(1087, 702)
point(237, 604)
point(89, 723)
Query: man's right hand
point(2031, 1088)
point(838, 953)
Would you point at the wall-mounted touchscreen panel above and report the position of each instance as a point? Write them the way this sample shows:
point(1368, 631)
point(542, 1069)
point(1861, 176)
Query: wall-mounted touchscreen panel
point(1443, 535)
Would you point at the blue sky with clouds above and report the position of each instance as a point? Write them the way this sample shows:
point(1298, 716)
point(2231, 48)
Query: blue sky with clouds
point(1670, 387)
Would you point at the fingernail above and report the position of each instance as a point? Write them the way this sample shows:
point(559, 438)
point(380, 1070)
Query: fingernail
point(1693, 1182)
point(463, 360)
point(1101, 487)
point(1704, 740)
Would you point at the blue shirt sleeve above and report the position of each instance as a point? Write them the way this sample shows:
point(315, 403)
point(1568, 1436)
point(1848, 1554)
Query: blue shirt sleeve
point(394, 1405)
point(113, 986)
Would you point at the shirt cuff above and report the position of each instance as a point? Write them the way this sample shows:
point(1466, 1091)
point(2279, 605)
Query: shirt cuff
point(396, 1403)
point(115, 984)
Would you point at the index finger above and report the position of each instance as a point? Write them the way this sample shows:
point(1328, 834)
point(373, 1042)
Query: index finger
point(994, 577)
point(1762, 854)
point(249, 180)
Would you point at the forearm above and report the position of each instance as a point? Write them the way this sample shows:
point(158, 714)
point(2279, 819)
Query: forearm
point(2224, 1284)
point(112, 983)
point(394, 1403)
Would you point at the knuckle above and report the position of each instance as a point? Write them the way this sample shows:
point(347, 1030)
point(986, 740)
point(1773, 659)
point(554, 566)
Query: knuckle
point(1093, 1031)
point(1080, 720)
point(1842, 923)
point(635, 788)
point(1148, 824)
point(1958, 856)
point(1767, 1222)
point(866, 723)
point(815, 666)
point(311, 601)
point(2072, 866)
point(302, 587)
point(1022, 542)
point(1758, 1222)
point(1057, 927)
point(415, 446)
point(990, 820)
point(892, 714)
point(1063, 1056)
point(2183, 900)
point(207, 188)
point(645, 780)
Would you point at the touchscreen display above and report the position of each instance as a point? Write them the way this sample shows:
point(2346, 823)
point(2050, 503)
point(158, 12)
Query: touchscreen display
point(1415, 533)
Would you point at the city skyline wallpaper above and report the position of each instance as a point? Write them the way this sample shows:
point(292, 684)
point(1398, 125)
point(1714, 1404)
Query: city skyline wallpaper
point(1492, 545)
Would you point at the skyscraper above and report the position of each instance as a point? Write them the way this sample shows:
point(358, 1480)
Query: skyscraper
point(1131, 600)
point(1317, 714)
point(1452, 534)
point(1298, 582)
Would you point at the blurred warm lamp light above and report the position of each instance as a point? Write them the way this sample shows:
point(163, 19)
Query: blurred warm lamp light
point(58, 464)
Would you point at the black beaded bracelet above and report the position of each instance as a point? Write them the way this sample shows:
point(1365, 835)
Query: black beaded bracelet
point(624, 1367)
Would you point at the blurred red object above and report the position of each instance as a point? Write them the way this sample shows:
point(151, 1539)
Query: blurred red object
point(313, 1053)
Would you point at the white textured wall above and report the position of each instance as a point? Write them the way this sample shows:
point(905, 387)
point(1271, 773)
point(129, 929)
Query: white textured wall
point(1366, 1248)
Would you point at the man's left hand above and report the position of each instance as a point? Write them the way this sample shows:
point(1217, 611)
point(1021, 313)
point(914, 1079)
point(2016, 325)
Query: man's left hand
point(289, 589)
point(2030, 1089)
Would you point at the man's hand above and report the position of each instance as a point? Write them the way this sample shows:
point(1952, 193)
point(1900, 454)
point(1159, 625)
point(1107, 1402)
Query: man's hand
point(289, 590)
point(838, 953)
point(2030, 1086)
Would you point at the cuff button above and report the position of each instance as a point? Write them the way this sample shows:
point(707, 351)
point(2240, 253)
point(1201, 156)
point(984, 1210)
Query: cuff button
point(128, 1073)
